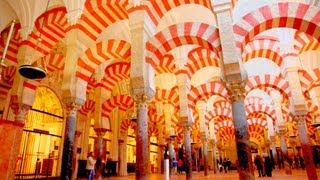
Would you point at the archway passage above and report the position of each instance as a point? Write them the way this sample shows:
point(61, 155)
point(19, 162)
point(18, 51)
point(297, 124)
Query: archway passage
point(42, 136)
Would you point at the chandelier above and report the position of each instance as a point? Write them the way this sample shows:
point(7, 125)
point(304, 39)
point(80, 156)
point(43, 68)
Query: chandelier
point(34, 71)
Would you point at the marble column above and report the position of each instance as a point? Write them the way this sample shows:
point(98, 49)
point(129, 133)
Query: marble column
point(68, 145)
point(172, 153)
point(75, 155)
point(10, 140)
point(204, 139)
point(214, 147)
point(245, 166)
point(100, 151)
point(187, 145)
point(284, 149)
point(142, 157)
point(273, 140)
point(306, 148)
point(122, 158)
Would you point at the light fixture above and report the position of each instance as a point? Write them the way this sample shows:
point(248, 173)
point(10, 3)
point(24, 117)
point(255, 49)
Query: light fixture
point(2, 64)
point(34, 71)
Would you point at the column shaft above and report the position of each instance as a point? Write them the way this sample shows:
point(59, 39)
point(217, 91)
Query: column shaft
point(245, 166)
point(75, 157)
point(122, 158)
point(188, 160)
point(305, 145)
point(214, 157)
point(142, 157)
point(100, 151)
point(205, 156)
point(68, 145)
point(284, 150)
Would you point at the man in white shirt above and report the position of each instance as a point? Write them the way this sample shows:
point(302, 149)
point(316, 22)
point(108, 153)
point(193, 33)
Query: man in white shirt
point(90, 166)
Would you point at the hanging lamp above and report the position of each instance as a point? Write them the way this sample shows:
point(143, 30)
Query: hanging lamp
point(34, 71)
point(2, 64)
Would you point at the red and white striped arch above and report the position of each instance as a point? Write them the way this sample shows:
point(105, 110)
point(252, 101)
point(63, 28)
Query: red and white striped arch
point(167, 65)
point(153, 117)
point(304, 42)
point(169, 96)
point(180, 133)
point(258, 121)
point(115, 73)
point(313, 109)
point(153, 131)
point(181, 34)
point(268, 110)
point(122, 102)
point(55, 25)
point(251, 100)
point(159, 8)
point(222, 124)
point(8, 74)
point(222, 104)
point(226, 134)
point(268, 49)
point(98, 15)
point(267, 81)
point(54, 62)
point(102, 52)
point(199, 58)
point(126, 124)
point(205, 91)
point(257, 115)
point(218, 112)
point(14, 44)
point(222, 118)
point(87, 107)
point(308, 80)
point(92, 83)
point(283, 14)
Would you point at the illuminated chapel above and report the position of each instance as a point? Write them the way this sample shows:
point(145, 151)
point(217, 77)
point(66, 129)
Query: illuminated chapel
point(140, 83)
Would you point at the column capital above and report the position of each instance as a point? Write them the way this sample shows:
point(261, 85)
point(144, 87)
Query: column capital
point(282, 130)
point(142, 99)
point(73, 105)
point(237, 90)
point(21, 112)
point(100, 131)
point(77, 133)
point(220, 6)
point(273, 139)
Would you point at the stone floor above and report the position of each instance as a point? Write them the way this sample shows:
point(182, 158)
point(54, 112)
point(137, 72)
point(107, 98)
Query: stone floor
point(277, 175)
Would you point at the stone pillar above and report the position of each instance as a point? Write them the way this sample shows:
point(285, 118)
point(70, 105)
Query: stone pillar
point(245, 166)
point(75, 155)
point(305, 145)
point(68, 145)
point(284, 149)
point(142, 155)
point(201, 108)
point(214, 147)
point(100, 151)
point(172, 153)
point(273, 140)
point(187, 145)
point(122, 158)
point(10, 140)
point(204, 139)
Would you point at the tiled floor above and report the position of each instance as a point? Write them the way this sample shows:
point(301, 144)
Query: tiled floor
point(277, 175)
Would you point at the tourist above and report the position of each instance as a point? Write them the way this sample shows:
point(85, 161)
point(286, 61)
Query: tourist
point(268, 164)
point(90, 166)
point(180, 164)
point(258, 163)
point(174, 165)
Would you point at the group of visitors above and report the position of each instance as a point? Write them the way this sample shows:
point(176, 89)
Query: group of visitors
point(224, 165)
point(263, 165)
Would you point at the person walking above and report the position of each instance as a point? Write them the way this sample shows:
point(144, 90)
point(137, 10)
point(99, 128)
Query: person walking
point(180, 164)
point(174, 165)
point(90, 166)
point(258, 163)
point(268, 164)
